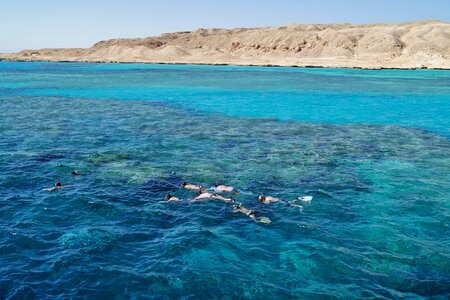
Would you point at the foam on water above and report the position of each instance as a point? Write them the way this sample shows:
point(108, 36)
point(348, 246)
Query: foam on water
point(377, 227)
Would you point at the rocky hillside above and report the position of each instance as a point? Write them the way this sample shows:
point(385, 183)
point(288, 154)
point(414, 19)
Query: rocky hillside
point(422, 44)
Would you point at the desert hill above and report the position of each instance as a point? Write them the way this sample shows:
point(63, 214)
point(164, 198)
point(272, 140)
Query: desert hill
point(421, 44)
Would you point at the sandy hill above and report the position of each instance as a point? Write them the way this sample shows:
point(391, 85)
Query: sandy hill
point(421, 44)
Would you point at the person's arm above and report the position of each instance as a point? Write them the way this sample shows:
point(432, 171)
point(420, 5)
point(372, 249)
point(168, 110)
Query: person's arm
point(228, 200)
point(292, 203)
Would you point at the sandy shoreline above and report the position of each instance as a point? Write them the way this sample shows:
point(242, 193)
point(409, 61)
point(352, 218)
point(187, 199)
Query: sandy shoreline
point(414, 45)
point(233, 65)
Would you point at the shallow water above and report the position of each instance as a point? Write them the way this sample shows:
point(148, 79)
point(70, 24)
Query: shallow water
point(372, 147)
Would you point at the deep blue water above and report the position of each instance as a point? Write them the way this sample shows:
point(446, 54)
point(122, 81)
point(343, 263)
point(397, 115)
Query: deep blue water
point(371, 147)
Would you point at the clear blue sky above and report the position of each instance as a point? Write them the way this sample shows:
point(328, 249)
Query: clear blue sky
point(80, 23)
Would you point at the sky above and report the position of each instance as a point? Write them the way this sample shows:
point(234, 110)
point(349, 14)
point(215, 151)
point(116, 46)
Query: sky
point(35, 24)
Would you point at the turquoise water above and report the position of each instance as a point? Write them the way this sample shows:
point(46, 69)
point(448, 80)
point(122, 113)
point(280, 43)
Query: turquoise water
point(372, 147)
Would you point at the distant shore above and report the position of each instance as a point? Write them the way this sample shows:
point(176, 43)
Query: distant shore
point(231, 65)
point(414, 45)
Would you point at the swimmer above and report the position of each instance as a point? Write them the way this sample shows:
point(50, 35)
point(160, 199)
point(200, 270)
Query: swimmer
point(170, 198)
point(207, 195)
point(192, 187)
point(220, 188)
point(76, 173)
point(267, 199)
point(250, 213)
point(57, 186)
point(306, 199)
point(242, 209)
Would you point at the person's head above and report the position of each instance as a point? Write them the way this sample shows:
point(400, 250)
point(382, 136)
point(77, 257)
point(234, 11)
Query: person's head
point(184, 183)
point(75, 172)
point(58, 184)
point(216, 185)
point(261, 198)
point(168, 196)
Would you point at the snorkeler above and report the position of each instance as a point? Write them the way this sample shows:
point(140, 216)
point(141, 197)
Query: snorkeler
point(267, 199)
point(192, 187)
point(56, 186)
point(250, 213)
point(220, 188)
point(306, 199)
point(170, 198)
point(76, 173)
point(207, 195)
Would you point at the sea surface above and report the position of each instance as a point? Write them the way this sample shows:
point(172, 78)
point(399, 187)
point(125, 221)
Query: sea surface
point(371, 147)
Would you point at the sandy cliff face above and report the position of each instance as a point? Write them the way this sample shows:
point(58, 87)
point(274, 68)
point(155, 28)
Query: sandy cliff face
point(422, 44)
